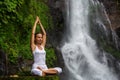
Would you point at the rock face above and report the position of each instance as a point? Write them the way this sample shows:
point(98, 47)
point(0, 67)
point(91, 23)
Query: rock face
point(58, 21)
point(113, 11)
point(118, 31)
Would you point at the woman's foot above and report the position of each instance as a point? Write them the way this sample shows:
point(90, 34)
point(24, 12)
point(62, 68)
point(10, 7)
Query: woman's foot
point(43, 73)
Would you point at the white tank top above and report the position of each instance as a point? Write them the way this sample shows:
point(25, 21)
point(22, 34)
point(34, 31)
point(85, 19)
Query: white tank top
point(39, 56)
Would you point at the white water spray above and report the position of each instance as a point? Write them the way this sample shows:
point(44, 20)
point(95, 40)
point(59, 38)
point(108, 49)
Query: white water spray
point(80, 51)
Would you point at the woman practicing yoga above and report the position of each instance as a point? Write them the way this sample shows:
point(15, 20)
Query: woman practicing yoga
point(38, 41)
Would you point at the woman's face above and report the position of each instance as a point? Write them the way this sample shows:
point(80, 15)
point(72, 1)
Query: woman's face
point(39, 38)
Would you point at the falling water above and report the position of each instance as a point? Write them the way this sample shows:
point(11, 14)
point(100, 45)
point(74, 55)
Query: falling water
point(80, 50)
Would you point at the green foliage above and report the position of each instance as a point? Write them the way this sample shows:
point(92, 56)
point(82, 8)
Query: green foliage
point(109, 48)
point(16, 20)
point(112, 50)
point(51, 57)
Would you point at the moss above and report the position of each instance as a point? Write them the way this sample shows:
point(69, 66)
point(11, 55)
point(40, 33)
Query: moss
point(113, 51)
point(109, 48)
point(30, 78)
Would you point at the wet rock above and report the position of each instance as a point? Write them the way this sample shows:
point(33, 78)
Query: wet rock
point(118, 31)
point(3, 63)
point(113, 10)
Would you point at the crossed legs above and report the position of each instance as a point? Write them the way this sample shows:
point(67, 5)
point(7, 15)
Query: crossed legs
point(44, 72)
point(51, 71)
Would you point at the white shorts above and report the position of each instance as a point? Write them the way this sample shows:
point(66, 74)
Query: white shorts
point(37, 71)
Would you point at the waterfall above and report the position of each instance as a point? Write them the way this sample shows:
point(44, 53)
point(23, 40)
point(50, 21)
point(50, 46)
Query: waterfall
point(83, 59)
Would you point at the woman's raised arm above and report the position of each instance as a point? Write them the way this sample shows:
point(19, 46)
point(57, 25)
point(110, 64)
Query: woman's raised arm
point(32, 43)
point(44, 34)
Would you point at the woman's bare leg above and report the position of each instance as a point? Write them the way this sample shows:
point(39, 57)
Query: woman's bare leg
point(50, 71)
point(43, 73)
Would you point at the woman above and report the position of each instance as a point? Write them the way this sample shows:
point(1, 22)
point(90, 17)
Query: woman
point(38, 42)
